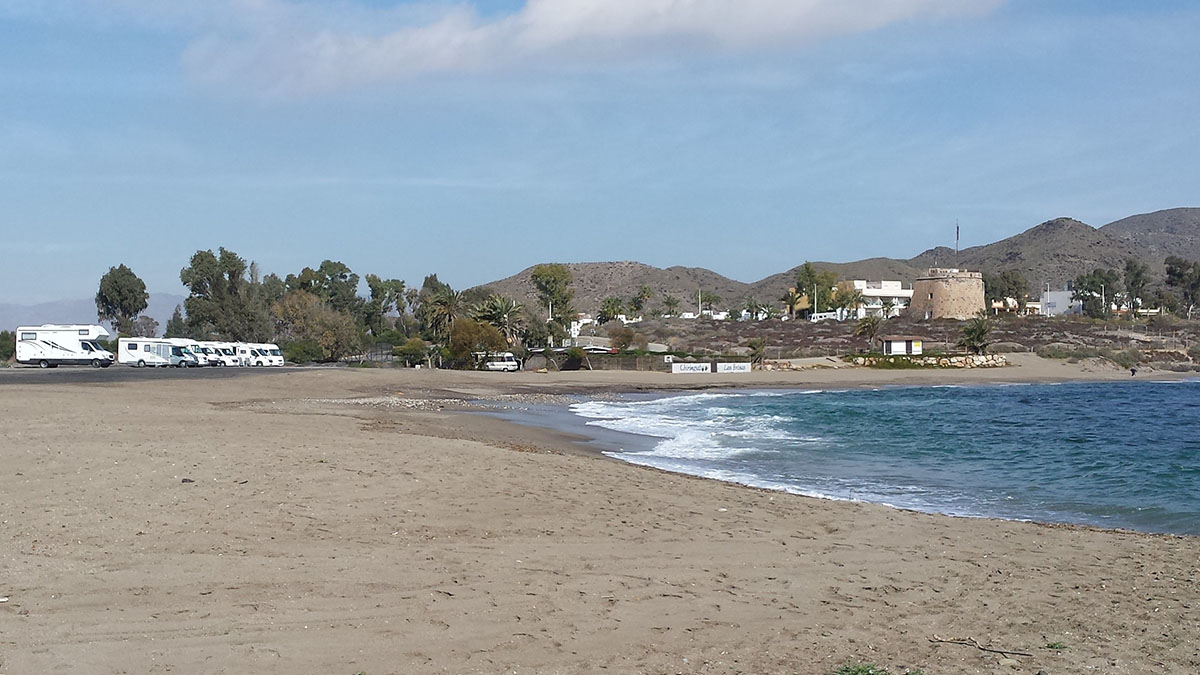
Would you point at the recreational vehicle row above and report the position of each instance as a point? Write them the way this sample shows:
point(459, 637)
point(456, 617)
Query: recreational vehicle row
point(185, 353)
point(53, 345)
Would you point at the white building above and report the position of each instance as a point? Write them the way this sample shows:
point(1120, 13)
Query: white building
point(878, 293)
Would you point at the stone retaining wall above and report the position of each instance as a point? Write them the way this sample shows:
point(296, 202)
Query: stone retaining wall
point(971, 361)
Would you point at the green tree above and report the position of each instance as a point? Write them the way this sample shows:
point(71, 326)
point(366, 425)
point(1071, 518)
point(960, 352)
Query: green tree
point(225, 299)
point(1007, 284)
point(332, 282)
point(442, 309)
point(817, 284)
point(506, 314)
point(144, 326)
point(387, 296)
point(122, 296)
point(176, 327)
point(846, 298)
point(412, 352)
point(469, 337)
point(887, 306)
point(752, 307)
point(671, 304)
point(553, 284)
point(305, 318)
point(1137, 278)
point(792, 302)
point(868, 327)
point(8, 345)
point(610, 308)
point(1184, 275)
point(709, 299)
point(1096, 290)
point(975, 334)
point(638, 302)
point(758, 351)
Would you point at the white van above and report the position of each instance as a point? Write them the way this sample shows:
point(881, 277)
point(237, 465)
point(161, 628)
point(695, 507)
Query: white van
point(52, 345)
point(270, 354)
point(203, 355)
point(223, 353)
point(142, 352)
point(501, 361)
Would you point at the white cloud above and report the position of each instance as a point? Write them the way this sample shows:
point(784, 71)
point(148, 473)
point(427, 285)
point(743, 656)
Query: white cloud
point(288, 48)
point(289, 51)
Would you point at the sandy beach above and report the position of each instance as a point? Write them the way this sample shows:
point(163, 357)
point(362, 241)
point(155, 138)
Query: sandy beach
point(359, 521)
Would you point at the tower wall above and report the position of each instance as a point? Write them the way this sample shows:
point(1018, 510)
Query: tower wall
point(947, 294)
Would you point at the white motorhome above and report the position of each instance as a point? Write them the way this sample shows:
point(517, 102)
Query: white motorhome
point(225, 353)
point(142, 352)
point(502, 361)
point(53, 345)
point(274, 356)
point(204, 355)
point(262, 354)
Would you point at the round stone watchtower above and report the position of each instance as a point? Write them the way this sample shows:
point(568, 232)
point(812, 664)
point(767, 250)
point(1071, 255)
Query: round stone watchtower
point(947, 294)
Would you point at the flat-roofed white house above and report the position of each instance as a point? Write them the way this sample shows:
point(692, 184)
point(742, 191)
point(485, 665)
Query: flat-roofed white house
point(898, 345)
point(881, 298)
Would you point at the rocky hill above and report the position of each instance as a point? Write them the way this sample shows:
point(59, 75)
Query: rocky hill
point(1162, 233)
point(1054, 252)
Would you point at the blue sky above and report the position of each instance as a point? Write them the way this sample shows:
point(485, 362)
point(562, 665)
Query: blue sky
point(473, 139)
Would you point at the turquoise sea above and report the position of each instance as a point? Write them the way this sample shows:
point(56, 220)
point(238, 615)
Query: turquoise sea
point(1112, 454)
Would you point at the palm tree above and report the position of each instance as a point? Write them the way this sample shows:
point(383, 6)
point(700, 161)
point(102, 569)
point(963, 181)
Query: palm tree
point(638, 301)
point(671, 303)
point(791, 302)
point(506, 314)
point(758, 350)
point(609, 309)
point(888, 305)
point(975, 334)
point(708, 300)
point(868, 327)
point(441, 309)
point(753, 308)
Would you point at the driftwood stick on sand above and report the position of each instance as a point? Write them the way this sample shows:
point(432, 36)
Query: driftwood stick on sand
point(972, 642)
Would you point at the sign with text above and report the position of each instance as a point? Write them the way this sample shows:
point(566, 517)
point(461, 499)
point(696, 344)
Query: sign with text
point(733, 367)
point(691, 367)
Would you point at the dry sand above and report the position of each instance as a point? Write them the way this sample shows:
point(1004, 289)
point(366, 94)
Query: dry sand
point(388, 536)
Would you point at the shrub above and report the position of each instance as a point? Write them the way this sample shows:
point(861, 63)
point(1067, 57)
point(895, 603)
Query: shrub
point(8, 345)
point(303, 351)
point(412, 352)
point(1194, 352)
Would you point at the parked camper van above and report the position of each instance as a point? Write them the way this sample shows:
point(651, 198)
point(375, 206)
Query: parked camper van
point(271, 351)
point(52, 345)
point(261, 354)
point(142, 352)
point(204, 356)
point(225, 353)
point(502, 361)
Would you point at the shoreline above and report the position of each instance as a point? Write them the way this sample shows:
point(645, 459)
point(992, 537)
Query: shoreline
point(351, 520)
point(598, 441)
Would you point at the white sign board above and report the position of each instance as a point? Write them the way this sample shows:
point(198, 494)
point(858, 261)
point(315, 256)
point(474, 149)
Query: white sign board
point(733, 367)
point(691, 368)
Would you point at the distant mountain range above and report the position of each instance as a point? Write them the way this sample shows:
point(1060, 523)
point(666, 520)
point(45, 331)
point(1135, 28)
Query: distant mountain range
point(82, 311)
point(1054, 252)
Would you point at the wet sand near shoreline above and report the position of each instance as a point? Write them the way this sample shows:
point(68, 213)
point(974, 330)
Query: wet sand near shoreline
point(346, 521)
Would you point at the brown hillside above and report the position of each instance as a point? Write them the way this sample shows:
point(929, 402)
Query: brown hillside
point(1162, 233)
point(1055, 251)
point(596, 281)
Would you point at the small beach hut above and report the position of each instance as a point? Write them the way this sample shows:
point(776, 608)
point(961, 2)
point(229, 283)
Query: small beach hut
point(898, 345)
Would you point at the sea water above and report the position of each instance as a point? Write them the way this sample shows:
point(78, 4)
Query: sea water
point(1112, 454)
